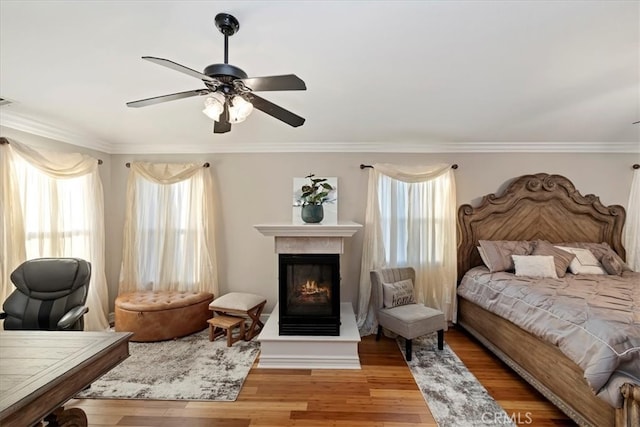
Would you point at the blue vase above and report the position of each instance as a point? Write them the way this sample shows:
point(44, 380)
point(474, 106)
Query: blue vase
point(312, 213)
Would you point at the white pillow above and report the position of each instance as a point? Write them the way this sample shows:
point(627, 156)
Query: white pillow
point(584, 262)
point(536, 266)
point(398, 293)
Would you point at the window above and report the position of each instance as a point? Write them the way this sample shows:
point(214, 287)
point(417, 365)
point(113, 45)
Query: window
point(56, 223)
point(168, 238)
point(412, 214)
point(168, 232)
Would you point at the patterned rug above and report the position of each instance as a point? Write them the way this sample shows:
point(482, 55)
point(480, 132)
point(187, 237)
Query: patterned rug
point(189, 368)
point(454, 395)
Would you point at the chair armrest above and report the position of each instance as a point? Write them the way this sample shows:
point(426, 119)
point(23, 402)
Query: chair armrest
point(3, 315)
point(71, 317)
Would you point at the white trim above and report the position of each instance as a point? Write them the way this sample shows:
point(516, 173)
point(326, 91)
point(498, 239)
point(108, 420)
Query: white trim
point(342, 229)
point(48, 130)
point(380, 147)
point(85, 139)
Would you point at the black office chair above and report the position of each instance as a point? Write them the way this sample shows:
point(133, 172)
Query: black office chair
point(50, 295)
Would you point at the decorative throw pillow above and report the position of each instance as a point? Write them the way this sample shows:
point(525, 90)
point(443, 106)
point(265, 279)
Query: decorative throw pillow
point(397, 293)
point(483, 256)
point(498, 253)
point(561, 259)
point(599, 250)
point(611, 265)
point(584, 262)
point(536, 266)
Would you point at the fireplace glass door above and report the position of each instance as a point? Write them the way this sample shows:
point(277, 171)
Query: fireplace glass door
point(309, 294)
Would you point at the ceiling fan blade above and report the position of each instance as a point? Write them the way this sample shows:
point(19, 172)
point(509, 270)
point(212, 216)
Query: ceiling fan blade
point(181, 68)
point(223, 125)
point(284, 82)
point(165, 98)
point(275, 111)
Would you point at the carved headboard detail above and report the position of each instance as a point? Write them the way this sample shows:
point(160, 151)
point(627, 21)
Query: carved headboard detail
point(539, 206)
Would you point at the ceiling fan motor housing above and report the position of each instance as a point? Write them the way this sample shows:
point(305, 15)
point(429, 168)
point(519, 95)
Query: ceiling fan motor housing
point(225, 71)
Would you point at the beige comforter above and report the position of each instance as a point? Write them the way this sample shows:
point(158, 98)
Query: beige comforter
point(593, 319)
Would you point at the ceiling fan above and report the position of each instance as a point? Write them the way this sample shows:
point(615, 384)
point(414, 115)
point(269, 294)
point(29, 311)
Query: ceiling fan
point(231, 92)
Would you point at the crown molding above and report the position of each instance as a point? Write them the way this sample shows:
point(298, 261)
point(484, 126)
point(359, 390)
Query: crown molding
point(19, 122)
point(381, 147)
point(83, 139)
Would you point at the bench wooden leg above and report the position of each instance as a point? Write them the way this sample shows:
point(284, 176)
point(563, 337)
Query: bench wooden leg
point(256, 324)
point(215, 332)
point(230, 337)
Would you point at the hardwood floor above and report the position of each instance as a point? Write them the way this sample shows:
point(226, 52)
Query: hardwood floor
point(382, 394)
point(524, 404)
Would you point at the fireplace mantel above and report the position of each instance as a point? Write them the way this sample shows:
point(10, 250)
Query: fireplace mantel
point(309, 238)
point(341, 229)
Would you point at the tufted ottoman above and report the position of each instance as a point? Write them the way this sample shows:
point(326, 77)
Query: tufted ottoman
point(162, 315)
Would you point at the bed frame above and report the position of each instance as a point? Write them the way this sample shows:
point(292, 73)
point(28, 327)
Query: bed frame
point(548, 207)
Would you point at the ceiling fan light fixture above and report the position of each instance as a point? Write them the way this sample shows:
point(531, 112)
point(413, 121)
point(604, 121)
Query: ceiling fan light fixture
point(239, 109)
point(214, 105)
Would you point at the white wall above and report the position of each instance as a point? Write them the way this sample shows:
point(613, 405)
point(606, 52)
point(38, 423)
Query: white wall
point(256, 188)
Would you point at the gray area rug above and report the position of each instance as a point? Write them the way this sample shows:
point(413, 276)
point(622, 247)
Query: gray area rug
point(189, 368)
point(454, 395)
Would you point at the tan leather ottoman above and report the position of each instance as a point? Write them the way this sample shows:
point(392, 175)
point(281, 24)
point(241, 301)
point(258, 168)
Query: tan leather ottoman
point(162, 315)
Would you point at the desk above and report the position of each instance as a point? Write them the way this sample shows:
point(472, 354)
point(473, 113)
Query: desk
point(41, 370)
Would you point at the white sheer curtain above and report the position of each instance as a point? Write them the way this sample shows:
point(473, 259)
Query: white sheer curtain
point(169, 239)
point(632, 226)
point(52, 205)
point(411, 221)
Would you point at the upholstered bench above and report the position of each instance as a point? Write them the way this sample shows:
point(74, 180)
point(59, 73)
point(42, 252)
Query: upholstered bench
point(162, 315)
point(241, 304)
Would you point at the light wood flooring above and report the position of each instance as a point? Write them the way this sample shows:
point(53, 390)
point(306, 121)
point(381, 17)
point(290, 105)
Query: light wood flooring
point(382, 394)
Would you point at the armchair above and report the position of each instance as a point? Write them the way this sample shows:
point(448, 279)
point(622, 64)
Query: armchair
point(50, 295)
point(407, 320)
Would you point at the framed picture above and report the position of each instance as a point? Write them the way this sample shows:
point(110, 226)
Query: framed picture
point(330, 206)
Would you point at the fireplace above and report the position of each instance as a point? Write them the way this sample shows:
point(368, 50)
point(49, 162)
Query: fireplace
point(309, 294)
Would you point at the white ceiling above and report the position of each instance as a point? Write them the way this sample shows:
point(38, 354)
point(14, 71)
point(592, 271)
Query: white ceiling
point(393, 76)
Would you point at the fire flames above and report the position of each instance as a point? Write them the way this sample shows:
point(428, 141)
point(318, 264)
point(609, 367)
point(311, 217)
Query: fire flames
point(311, 288)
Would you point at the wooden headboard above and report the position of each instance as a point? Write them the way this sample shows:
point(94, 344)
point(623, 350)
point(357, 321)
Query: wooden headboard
point(539, 206)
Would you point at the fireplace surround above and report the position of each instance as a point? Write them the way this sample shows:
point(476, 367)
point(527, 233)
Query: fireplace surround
point(302, 243)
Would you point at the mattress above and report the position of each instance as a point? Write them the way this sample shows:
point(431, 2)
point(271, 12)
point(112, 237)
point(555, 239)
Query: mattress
point(593, 319)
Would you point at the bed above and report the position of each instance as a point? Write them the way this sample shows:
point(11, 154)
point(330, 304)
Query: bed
point(532, 208)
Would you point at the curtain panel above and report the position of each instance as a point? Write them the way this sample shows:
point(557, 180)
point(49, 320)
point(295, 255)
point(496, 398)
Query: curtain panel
point(410, 221)
point(52, 205)
point(169, 238)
